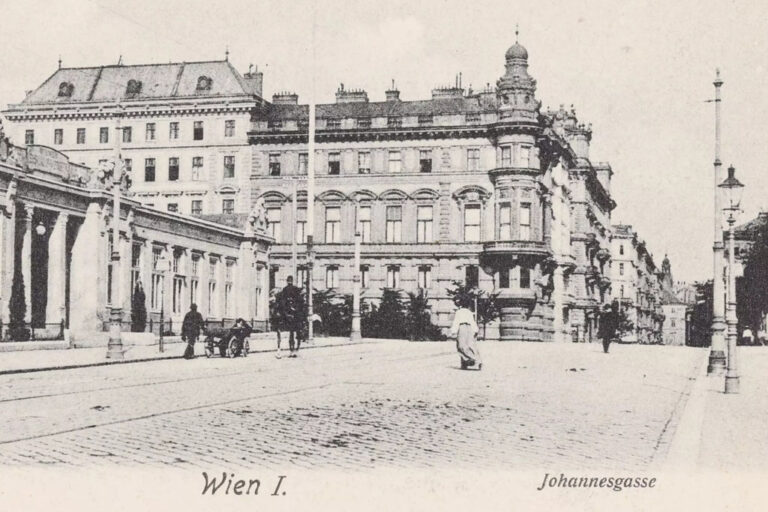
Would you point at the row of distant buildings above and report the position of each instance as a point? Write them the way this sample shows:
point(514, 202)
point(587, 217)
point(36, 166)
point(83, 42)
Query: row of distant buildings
point(484, 187)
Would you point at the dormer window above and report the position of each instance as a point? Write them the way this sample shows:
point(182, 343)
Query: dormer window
point(204, 83)
point(66, 89)
point(133, 88)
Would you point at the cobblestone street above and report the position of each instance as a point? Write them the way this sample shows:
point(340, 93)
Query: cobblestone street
point(384, 404)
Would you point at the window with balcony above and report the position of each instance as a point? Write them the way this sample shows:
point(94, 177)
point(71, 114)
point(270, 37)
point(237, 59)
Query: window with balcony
point(472, 223)
point(394, 224)
point(173, 130)
point(229, 166)
point(197, 168)
point(173, 169)
point(29, 137)
point(395, 162)
point(364, 162)
point(274, 164)
point(424, 277)
point(424, 224)
point(334, 163)
point(505, 222)
point(58, 136)
point(364, 223)
point(332, 276)
point(393, 276)
point(197, 130)
point(525, 221)
point(229, 128)
point(103, 135)
point(150, 133)
point(473, 159)
point(332, 224)
point(273, 223)
point(197, 207)
point(303, 163)
point(228, 206)
point(81, 135)
point(149, 169)
point(425, 160)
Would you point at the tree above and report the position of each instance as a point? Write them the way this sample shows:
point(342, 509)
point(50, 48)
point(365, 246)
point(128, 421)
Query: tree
point(419, 324)
point(138, 309)
point(335, 311)
point(388, 319)
point(752, 292)
point(17, 308)
point(487, 304)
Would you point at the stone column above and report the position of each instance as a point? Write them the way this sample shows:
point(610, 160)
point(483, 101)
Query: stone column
point(7, 257)
point(85, 272)
point(558, 292)
point(126, 250)
point(26, 262)
point(57, 270)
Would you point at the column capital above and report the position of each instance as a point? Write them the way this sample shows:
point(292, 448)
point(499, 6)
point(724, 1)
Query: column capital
point(29, 212)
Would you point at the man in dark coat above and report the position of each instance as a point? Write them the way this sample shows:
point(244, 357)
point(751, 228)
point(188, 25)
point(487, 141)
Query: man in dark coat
point(608, 325)
point(291, 306)
point(190, 330)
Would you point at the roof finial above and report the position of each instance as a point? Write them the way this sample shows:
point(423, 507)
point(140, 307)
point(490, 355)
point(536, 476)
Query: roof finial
point(59, 61)
point(517, 32)
point(226, 54)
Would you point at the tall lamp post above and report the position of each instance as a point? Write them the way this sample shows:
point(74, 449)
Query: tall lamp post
point(355, 335)
point(162, 267)
point(733, 189)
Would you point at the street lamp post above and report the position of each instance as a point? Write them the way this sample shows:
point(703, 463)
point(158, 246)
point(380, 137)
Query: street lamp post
point(355, 334)
point(162, 264)
point(733, 189)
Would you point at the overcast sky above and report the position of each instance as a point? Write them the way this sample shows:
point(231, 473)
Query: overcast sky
point(639, 71)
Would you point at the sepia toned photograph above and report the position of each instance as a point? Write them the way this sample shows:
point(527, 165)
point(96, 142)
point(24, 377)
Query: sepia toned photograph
point(328, 255)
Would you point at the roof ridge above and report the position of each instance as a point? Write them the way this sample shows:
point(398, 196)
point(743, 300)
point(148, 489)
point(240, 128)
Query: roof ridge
point(139, 65)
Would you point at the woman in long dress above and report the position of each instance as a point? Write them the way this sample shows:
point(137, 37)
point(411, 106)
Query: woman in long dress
point(465, 329)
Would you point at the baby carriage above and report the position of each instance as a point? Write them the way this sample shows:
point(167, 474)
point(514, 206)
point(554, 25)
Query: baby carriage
point(230, 342)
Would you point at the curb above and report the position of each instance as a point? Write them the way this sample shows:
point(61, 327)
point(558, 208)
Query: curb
point(149, 359)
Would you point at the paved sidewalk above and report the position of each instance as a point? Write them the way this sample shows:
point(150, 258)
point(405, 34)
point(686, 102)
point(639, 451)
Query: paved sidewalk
point(65, 358)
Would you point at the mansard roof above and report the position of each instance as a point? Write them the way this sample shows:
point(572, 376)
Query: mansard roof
point(440, 106)
point(110, 83)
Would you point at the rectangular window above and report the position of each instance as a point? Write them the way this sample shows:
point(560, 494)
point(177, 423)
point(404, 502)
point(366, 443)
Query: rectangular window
point(473, 159)
point(275, 124)
point(472, 223)
point(365, 276)
point(135, 266)
point(229, 166)
point(334, 163)
point(150, 133)
point(103, 135)
point(395, 162)
point(157, 278)
point(213, 309)
point(364, 122)
point(274, 164)
point(273, 276)
point(621, 269)
point(524, 156)
point(364, 223)
point(178, 291)
point(128, 163)
point(197, 130)
point(149, 169)
point(425, 119)
point(173, 169)
point(332, 277)
point(505, 222)
point(471, 276)
point(621, 249)
point(194, 294)
point(229, 128)
point(364, 162)
point(473, 118)
point(425, 277)
point(425, 160)
point(173, 207)
point(424, 224)
point(394, 122)
point(525, 221)
point(394, 224)
point(29, 137)
point(525, 277)
point(621, 291)
point(197, 168)
point(58, 136)
point(506, 156)
point(333, 124)
point(127, 134)
point(173, 130)
point(301, 225)
point(302, 277)
point(504, 278)
point(81, 135)
point(197, 207)
point(303, 163)
point(332, 225)
point(228, 206)
point(393, 277)
point(228, 277)
point(273, 223)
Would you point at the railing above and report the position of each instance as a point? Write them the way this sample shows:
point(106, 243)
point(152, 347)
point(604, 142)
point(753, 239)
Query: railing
point(32, 331)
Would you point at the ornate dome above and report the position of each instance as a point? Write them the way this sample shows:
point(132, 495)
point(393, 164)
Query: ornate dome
point(517, 51)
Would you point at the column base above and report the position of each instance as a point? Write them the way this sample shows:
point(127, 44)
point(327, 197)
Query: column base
point(716, 362)
point(115, 344)
point(731, 384)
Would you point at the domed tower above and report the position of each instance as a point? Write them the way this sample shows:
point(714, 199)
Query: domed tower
point(516, 90)
point(666, 273)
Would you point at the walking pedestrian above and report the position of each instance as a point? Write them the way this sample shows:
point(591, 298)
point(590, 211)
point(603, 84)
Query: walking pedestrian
point(190, 330)
point(290, 304)
point(276, 319)
point(464, 328)
point(608, 325)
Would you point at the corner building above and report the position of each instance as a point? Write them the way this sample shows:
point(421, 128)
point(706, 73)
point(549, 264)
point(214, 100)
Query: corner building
point(479, 187)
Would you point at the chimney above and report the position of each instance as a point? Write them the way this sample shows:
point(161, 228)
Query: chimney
point(254, 79)
point(285, 98)
point(351, 95)
point(392, 93)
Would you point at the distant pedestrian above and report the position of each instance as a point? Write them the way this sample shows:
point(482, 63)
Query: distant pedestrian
point(190, 330)
point(464, 328)
point(608, 324)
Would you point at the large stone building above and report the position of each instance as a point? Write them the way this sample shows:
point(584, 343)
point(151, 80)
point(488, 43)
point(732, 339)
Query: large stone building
point(481, 187)
point(184, 128)
point(56, 241)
